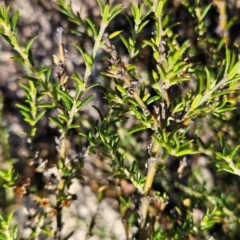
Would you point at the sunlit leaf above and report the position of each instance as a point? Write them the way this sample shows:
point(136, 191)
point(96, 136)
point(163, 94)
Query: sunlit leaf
point(137, 129)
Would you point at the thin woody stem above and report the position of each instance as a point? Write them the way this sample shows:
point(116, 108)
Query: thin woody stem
point(156, 152)
point(156, 148)
point(140, 102)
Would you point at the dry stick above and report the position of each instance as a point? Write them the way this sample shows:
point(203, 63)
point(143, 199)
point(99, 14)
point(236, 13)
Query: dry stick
point(63, 140)
point(61, 63)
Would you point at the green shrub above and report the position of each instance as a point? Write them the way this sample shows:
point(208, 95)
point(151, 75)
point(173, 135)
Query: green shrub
point(183, 105)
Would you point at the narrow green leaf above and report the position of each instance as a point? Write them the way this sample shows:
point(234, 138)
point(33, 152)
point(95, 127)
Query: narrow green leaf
point(57, 122)
point(46, 105)
point(13, 40)
point(93, 85)
point(115, 11)
point(40, 115)
point(142, 90)
point(179, 107)
point(18, 59)
point(161, 143)
point(29, 44)
point(208, 79)
point(3, 174)
point(225, 168)
point(9, 218)
point(134, 103)
point(6, 15)
point(125, 42)
point(159, 8)
point(92, 26)
point(200, 84)
point(137, 129)
point(130, 67)
point(65, 95)
point(83, 135)
point(80, 85)
point(75, 20)
point(234, 70)
point(165, 137)
point(221, 93)
point(205, 11)
point(234, 151)
point(114, 34)
point(14, 20)
point(85, 101)
point(203, 145)
point(64, 117)
point(220, 155)
point(228, 59)
point(146, 97)
point(226, 109)
point(105, 13)
point(30, 57)
point(100, 4)
point(23, 107)
point(186, 152)
point(165, 21)
point(99, 112)
point(88, 59)
point(143, 24)
point(233, 60)
point(234, 80)
point(2, 31)
point(67, 13)
point(131, 43)
point(196, 101)
point(148, 43)
point(133, 10)
point(76, 77)
point(42, 71)
point(67, 99)
point(27, 116)
point(48, 74)
point(104, 140)
point(79, 49)
point(152, 99)
point(14, 233)
point(161, 71)
point(74, 126)
point(121, 89)
point(132, 167)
